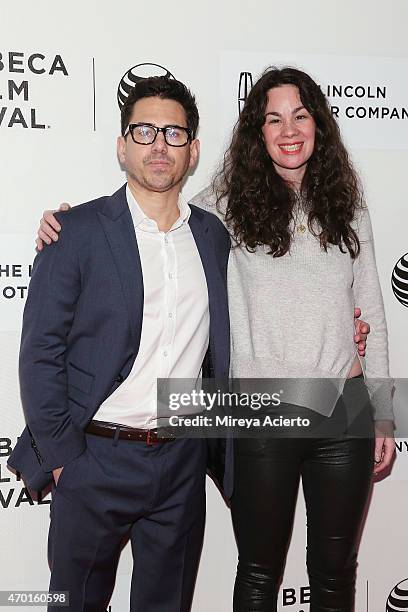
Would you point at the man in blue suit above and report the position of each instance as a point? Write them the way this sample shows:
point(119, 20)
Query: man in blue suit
point(134, 290)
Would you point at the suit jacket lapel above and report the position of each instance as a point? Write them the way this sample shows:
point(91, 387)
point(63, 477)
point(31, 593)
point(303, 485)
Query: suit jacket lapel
point(217, 291)
point(118, 226)
point(206, 251)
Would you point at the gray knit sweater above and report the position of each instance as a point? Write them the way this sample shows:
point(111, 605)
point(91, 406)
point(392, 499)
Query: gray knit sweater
point(292, 317)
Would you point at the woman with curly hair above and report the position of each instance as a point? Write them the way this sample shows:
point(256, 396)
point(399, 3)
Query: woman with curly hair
point(303, 257)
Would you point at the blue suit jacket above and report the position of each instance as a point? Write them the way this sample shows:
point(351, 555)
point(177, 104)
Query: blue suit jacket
point(82, 325)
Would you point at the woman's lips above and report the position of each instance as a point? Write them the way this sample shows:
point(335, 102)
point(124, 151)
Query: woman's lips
point(291, 149)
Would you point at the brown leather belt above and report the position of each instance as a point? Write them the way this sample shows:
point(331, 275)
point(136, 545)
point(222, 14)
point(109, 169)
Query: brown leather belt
point(110, 430)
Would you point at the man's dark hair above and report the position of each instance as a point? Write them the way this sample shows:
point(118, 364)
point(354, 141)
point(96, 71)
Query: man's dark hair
point(167, 89)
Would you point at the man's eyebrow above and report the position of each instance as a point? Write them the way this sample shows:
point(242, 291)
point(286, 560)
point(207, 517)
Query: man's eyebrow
point(276, 114)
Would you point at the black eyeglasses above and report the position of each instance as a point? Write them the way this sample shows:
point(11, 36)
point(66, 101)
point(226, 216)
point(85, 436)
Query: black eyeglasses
point(146, 133)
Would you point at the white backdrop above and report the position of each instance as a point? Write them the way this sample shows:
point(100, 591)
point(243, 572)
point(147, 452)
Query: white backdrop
point(60, 68)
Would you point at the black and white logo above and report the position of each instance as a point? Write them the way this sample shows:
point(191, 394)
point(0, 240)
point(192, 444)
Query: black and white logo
point(244, 87)
point(21, 73)
point(136, 74)
point(399, 280)
point(398, 598)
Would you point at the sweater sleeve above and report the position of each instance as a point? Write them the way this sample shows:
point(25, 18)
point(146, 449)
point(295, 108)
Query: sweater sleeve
point(368, 297)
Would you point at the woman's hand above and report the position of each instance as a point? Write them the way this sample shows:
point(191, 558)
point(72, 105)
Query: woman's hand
point(49, 227)
point(362, 329)
point(384, 445)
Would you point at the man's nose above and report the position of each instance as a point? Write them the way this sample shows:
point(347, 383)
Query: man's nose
point(160, 143)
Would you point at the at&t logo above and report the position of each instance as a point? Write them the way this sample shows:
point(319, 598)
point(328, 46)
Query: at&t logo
point(137, 73)
point(399, 280)
point(398, 598)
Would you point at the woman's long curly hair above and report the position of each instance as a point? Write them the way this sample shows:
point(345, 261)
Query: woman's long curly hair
point(260, 204)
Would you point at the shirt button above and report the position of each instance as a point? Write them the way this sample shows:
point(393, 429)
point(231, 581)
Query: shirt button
point(170, 275)
point(165, 353)
point(301, 228)
point(170, 315)
point(166, 240)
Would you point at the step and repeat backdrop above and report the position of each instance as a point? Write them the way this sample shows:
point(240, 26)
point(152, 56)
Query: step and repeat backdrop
point(63, 72)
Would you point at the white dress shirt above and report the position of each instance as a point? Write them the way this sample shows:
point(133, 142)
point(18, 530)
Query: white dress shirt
point(175, 328)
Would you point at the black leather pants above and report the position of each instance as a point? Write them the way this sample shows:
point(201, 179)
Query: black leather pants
point(336, 476)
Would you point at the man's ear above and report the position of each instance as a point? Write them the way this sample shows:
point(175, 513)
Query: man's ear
point(194, 152)
point(121, 148)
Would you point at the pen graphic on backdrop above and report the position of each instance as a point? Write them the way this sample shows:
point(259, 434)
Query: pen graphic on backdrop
point(244, 87)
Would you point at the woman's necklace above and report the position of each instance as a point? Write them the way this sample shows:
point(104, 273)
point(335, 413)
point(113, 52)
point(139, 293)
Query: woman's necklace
point(299, 214)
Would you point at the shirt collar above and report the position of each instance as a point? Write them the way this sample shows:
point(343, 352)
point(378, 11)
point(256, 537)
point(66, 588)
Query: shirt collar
point(142, 221)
